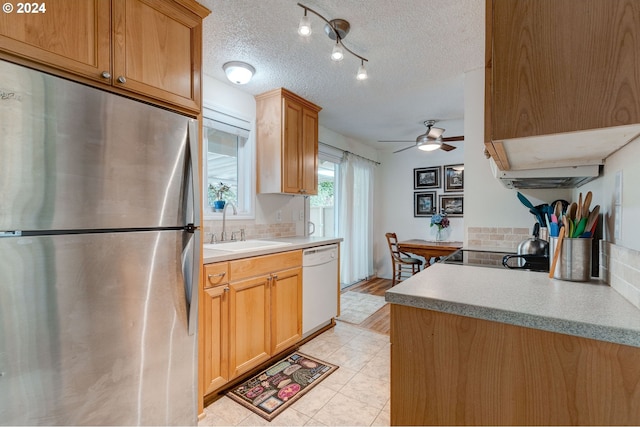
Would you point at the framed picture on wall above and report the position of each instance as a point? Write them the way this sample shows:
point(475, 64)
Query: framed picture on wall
point(453, 178)
point(452, 205)
point(424, 203)
point(426, 178)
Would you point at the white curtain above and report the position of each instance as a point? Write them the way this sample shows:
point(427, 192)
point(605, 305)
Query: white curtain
point(355, 221)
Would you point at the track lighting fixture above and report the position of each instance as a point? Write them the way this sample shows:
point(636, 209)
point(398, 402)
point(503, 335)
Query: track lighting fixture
point(336, 29)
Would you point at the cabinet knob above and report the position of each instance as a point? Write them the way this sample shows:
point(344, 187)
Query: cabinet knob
point(105, 75)
point(226, 289)
point(121, 79)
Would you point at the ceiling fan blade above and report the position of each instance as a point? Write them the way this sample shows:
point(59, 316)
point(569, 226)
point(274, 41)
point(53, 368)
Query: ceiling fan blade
point(402, 149)
point(447, 147)
point(395, 141)
point(435, 133)
point(453, 138)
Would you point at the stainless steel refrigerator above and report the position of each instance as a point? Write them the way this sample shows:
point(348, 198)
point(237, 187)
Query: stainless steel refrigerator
point(99, 256)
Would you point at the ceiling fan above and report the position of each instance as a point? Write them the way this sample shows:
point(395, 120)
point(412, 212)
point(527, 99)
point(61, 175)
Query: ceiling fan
point(432, 139)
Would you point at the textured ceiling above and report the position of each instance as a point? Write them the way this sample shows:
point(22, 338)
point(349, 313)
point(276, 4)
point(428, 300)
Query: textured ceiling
point(418, 52)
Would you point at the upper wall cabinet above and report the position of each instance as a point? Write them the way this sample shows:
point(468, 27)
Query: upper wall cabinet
point(287, 143)
point(562, 82)
point(150, 50)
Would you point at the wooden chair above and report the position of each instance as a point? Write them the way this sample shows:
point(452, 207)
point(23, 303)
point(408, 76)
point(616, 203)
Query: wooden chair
point(403, 265)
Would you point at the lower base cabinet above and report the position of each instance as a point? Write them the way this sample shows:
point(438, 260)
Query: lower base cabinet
point(448, 369)
point(253, 312)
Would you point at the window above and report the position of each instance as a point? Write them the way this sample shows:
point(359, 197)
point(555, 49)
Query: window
point(228, 160)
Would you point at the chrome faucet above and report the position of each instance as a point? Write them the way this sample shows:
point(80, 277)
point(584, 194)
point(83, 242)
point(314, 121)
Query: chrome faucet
point(223, 236)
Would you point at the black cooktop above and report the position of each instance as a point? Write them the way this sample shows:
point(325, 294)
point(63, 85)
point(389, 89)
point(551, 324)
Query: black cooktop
point(477, 257)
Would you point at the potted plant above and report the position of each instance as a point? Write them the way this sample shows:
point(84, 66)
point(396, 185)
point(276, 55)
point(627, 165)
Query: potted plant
point(217, 195)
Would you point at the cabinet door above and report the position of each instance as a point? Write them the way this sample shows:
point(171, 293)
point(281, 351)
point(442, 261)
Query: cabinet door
point(215, 337)
point(73, 36)
point(291, 147)
point(157, 50)
point(286, 309)
point(309, 150)
point(562, 65)
point(249, 324)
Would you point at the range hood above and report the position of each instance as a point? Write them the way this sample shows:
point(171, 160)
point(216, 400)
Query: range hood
point(563, 177)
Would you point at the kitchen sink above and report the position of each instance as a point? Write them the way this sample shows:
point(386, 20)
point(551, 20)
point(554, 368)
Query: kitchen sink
point(244, 246)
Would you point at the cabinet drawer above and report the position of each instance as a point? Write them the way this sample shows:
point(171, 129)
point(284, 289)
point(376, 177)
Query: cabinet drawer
point(216, 274)
point(260, 265)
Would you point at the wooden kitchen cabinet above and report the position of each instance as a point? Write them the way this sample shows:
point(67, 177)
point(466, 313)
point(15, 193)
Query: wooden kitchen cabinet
point(287, 143)
point(214, 329)
point(151, 50)
point(448, 369)
point(265, 308)
point(251, 311)
point(560, 67)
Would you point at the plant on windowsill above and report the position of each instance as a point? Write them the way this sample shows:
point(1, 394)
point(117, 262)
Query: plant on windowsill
point(217, 195)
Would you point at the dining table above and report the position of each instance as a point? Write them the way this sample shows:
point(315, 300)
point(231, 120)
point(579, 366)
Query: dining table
point(428, 249)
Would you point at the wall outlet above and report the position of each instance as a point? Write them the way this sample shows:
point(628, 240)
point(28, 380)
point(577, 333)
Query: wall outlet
point(301, 215)
point(279, 216)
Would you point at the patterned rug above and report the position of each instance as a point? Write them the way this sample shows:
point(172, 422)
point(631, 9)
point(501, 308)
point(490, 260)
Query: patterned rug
point(355, 307)
point(274, 389)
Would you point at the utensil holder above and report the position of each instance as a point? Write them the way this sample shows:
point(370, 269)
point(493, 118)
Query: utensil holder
point(574, 263)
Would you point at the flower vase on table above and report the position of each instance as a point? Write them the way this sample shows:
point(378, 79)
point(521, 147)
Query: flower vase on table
point(440, 221)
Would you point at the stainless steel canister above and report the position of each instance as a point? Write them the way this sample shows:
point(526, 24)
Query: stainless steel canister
point(574, 263)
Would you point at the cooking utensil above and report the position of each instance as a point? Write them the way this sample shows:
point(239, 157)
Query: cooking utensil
point(580, 226)
point(586, 204)
point(592, 219)
point(578, 215)
point(556, 254)
point(525, 201)
point(571, 212)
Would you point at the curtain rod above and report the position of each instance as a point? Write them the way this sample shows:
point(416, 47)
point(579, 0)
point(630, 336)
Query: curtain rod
point(345, 151)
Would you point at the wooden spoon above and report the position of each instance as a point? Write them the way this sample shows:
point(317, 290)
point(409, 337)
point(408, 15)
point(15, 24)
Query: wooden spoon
point(579, 209)
point(593, 218)
point(573, 208)
point(586, 204)
point(558, 249)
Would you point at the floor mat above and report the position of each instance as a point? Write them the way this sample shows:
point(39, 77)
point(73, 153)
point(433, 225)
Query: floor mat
point(271, 391)
point(355, 307)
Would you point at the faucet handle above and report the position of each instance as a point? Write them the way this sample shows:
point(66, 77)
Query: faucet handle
point(243, 236)
point(233, 235)
point(214, 239)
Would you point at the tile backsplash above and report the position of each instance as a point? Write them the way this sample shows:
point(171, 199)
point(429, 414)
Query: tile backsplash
point(499, 238)
point(619, 267)
point(251, 229)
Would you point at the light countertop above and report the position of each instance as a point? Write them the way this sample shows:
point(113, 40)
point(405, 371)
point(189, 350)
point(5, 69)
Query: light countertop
point(298, 242)
point(530, 299)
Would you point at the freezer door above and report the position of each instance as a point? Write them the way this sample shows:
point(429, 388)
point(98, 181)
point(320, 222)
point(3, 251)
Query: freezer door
point(75, 157)
point(94, 330)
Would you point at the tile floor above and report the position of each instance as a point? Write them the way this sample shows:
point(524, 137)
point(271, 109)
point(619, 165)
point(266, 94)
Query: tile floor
point(356, 394)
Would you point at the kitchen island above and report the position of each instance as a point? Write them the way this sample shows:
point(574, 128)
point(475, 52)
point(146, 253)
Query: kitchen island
point(489, 346)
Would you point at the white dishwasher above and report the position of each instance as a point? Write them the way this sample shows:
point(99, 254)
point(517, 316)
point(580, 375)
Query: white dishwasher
point(319, 287)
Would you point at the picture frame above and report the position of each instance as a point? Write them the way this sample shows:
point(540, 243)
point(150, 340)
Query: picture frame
point(424, 178)
point(453, 178)
point(424, 203)
point(452, 204)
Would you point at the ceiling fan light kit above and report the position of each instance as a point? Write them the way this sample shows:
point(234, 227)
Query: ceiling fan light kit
point(431, 140)
point(335, 29)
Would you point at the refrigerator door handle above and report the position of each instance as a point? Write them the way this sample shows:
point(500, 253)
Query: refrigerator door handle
point(194, 176)
point(192, 281)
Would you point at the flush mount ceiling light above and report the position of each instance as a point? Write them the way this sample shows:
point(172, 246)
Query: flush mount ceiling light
point(238, 72)
point(336, 29)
